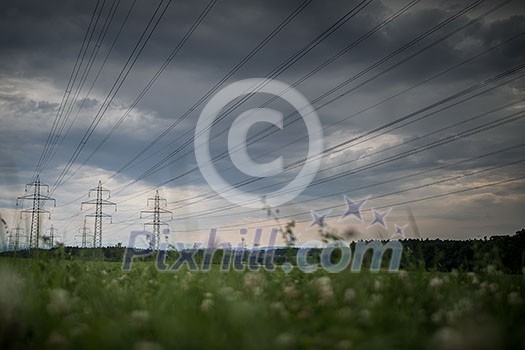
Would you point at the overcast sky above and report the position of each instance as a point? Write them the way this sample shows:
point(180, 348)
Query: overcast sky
point(419, 65)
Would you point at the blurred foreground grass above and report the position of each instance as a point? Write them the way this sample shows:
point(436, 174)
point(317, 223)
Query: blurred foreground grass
point(47, 303)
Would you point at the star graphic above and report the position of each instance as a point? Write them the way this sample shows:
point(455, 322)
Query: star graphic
point(354, 208)
point(318, 220)
point(400, 231)
point(379, 218)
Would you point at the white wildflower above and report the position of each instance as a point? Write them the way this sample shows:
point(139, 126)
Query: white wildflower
point(484, 286)
point(435, 282)
point(491, 270)
point(206, 305)
point(350, 295)
point(377, 285)
point(254, 282)
point(277, 306)
point(322, 281)
point(228, 293)
point(291, 292)
point(59, 302)
point(375, 299)
point(473, 278)
point(324, 288)
point(139, 316)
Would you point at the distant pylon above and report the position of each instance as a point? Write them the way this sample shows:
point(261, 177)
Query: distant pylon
point(14, 238)
point(52, 234)
point(99, 202)
point(84, 231)
point(38, 201)
point(156, 223)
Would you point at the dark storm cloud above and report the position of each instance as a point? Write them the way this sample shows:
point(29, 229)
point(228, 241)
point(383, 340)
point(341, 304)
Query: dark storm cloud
point(45, 36)
point(466, 43)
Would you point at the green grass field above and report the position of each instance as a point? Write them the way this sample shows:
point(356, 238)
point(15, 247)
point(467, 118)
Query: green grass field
point(47, 303)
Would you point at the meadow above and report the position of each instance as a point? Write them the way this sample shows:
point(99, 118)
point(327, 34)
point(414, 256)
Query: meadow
point(86, 304)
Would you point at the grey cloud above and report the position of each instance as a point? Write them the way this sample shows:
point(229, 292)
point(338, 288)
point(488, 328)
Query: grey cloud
point(21, 105)
point(87, 102)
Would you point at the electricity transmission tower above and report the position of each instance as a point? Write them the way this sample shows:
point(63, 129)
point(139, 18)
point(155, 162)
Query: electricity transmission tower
point(38, 201)
point(156, 223)
point(14, 237)
point(52, 235)
point(84, 231)
point(99, 203)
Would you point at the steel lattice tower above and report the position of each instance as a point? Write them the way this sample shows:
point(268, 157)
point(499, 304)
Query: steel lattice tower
point(14, 237)
point(84, 231)
point(156, 223)
point(52, 235)
point(99, 203)
point(38, 201)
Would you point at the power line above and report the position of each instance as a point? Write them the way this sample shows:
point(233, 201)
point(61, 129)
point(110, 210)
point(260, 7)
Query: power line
point(384, 59)
point(281, 68)
point(352, 45)
point(406, 118)
point(492, 48)
point(376, 64)
point(60, 135)
point(93, 84)
point(446, 140)
point(169, 59)
point(269, 131)
point(390, 98)
point(392, 205)
point(172, 55)
point(77, 169)
point(126, 69)
point(80, 85)
point(66, 94)
point(405, 154)
point(477, 172)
